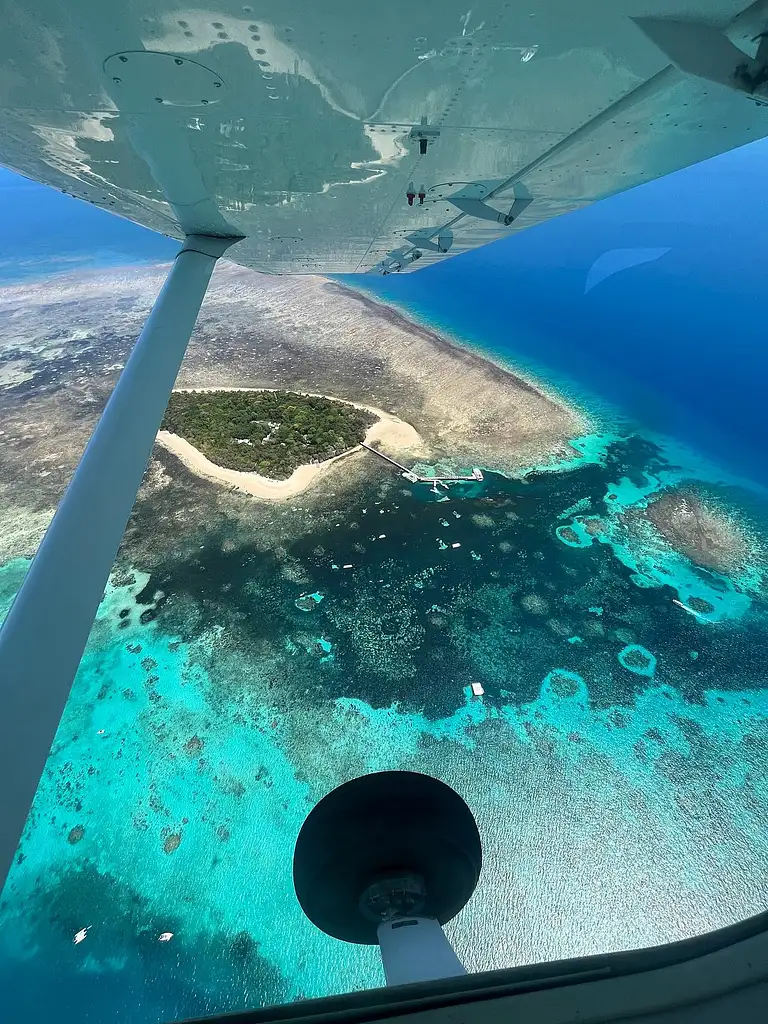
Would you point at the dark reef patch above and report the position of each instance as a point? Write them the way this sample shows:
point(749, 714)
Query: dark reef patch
point(700, 604)
point(171, 842)
point(413, 622)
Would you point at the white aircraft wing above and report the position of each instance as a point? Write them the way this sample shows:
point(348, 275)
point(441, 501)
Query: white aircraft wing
point(348, 135)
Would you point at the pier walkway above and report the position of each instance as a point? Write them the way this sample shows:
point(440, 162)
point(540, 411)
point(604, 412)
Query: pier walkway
point(476, 474)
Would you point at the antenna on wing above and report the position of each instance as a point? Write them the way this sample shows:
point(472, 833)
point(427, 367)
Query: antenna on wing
point(424, 133)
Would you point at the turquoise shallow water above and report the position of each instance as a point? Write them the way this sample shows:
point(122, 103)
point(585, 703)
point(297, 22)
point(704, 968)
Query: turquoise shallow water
point(614, 764)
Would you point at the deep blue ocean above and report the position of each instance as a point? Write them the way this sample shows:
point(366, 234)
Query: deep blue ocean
point(45, 233)
point(676, 345)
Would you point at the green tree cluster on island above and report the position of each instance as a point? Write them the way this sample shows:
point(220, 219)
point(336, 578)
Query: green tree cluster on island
point(265, 432)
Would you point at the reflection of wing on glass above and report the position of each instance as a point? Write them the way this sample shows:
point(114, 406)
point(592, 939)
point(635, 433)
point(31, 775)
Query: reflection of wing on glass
point(616, 260)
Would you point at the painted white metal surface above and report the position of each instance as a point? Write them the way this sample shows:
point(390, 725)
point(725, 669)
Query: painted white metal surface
point(44, 633)
point(416, 949)
point(289, 121)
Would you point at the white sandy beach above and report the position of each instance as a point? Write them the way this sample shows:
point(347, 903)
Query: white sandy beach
point(393, 434)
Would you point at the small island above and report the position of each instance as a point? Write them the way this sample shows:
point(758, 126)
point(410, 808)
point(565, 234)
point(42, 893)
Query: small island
point(271, 433)
point(273, 444)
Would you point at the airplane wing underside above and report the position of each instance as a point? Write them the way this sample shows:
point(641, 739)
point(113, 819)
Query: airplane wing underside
point(347, 135)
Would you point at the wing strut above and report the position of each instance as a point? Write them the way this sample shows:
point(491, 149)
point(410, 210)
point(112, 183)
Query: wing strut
point(45, 632)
